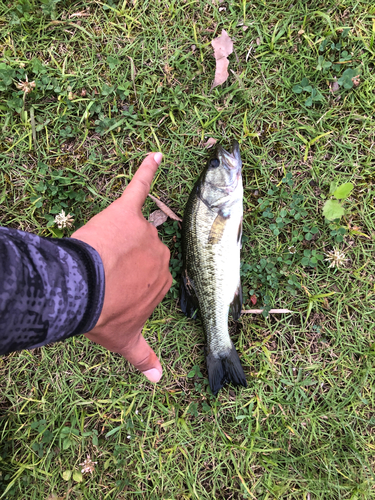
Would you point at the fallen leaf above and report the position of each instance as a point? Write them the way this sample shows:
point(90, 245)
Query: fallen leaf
point(253, 299)
point(244, 27)
point(223, 47)
point(165, 209)
point(209, 143)
point(257, 41)
point(157, 218)
point(356, 81)
point(335, 86)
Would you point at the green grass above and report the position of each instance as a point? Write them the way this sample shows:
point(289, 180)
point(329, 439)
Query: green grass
point(134, 77)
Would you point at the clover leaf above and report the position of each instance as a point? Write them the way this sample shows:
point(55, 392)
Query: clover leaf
point(346, 80)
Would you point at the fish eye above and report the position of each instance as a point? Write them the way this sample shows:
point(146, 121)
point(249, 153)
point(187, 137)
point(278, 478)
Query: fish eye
point(214, 163)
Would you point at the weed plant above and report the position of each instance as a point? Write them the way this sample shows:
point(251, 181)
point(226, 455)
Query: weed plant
point(87, 88)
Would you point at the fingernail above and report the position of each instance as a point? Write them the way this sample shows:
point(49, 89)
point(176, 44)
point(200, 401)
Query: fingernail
point(158, 157)
point(154, 375)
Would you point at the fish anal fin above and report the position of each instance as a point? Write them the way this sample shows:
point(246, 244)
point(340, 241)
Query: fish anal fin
point(236, 304)
point(217, 229)
point(239, 234)
point(188, 299)
point(225, 369)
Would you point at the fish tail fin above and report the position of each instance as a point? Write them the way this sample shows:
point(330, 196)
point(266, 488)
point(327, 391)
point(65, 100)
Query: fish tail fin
point(224, 369)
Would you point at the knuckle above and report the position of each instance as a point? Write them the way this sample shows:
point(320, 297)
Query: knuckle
point(143, 184)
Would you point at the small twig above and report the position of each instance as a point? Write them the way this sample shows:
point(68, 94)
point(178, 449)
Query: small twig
point(33, 128)
point(271, 311)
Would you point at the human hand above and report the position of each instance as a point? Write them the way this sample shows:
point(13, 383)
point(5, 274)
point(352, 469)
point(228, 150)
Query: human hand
point(136, 267)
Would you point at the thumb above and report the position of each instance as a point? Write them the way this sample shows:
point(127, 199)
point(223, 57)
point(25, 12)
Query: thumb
point(139, 187)
point(143, 357)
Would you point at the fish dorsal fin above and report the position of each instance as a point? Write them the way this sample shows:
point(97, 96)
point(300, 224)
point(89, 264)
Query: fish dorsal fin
point(217, 229)
point(236, 305)
point(188, 298)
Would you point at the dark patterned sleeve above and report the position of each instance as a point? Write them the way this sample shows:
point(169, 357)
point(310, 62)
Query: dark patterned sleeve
point(50, 289)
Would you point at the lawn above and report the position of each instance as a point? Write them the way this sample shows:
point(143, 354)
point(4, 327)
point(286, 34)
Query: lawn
point(114, 80)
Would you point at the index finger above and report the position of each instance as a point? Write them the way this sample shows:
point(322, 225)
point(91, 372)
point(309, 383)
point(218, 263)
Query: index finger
point(137, 190)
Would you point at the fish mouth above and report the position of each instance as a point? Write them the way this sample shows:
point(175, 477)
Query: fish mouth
point(230, 160)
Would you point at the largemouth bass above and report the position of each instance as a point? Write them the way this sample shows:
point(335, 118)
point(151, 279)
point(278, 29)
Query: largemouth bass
point(211, 243)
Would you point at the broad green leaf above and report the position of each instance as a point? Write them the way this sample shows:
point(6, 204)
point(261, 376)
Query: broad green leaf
point(297, 89)
point(67, 474)
point(333, 210)
point(57, 233)
point(324, 44)
point(107, 463)
point(308, 88)
point(113, 62)
point(320, 64)
point(332, 187)
point(37, 66)
point(77, 476)
point(66, 443)
point(346, 80)
point(343, 191)
point(113, 431)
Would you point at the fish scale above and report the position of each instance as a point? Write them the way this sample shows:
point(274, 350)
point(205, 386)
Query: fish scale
point(211, 251)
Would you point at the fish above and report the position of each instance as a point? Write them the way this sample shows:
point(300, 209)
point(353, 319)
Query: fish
point(211, 244)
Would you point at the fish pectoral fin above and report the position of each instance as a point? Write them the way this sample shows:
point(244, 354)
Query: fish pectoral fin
point(188, 299)
point(236, 304)
point(217, 229)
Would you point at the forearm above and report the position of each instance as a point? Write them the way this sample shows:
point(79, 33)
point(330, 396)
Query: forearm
point(50, 289)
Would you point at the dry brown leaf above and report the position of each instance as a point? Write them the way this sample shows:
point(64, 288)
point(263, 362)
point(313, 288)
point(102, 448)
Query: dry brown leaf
point(157, 218)
point(164, 208)
point(223, 47)
point(356, 80)
point(209, 143)
point(335, 86)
